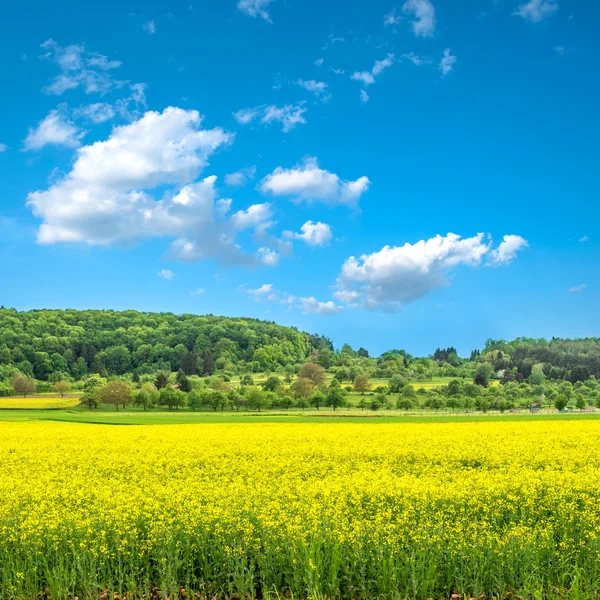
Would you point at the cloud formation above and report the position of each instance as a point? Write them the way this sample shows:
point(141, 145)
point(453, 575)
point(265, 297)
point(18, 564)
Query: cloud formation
point(536, 11)
point(423, 13)
point(54, 129)
point(313, 306)
point(79, 68)
point(107, 196)
point(307, 182)
point(318, 88)
point(313, 234)
point(368, 77)
point(241, 178)
point(255, 8)
point(447, 63)
point(288, 116)
point(166, 274)
point(394, 276)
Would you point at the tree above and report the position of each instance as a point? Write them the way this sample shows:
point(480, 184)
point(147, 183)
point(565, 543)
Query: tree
point(95, 382)
point(195, 400)
point(361, 383)
point(316, 373)
point(317, 400)
point(404, 402)
point(396, 383)
point(560, 402)
point(208, 364)
point(342, 374)
point(580, 401)
point(142, 398)
point(598, 400)
point(171, 398)
point(362, 353)
point(272, 384)
point(116, 392)
point(247, 379)
point(336, 397)
point(162, 380)
point(189, 363)
point(302, 387)
point(256, 399)
point(61, 387)
point(91, 398)
point(23, 385)
point(185, 385)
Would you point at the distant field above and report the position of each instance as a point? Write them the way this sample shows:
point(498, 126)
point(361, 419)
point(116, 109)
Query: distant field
point(37, 402)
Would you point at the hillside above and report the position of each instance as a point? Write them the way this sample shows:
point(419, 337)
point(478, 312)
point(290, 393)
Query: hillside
point(44, 342)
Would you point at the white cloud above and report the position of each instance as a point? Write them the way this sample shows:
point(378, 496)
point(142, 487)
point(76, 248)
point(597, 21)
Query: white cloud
point(289, 115)
point(308, 182)
point(97, 112)
point(579, 288)
point(107, 196)
point(313, 234)
point(535, 11)
point(331, 40)
point(424, 17)
point(166, 274)
point(391, 18)
point(507, 250)
point(240, 178)
point(253, 216)
point(149, 27)
point(268, 256)
point(447, 63)
point(313, 306)
point(364, 97)
point(318, 88)
point(319, 62)
point(368, 77)
point(415, 59)
point(255, 8)
point(54, 129)
point(3, 147)
point(262, 290)
point(79, 68)
point(397, 275)
point(584, 238)
point(197, 292)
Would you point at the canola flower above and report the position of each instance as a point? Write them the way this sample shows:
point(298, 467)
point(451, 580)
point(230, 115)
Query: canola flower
point(328, 510)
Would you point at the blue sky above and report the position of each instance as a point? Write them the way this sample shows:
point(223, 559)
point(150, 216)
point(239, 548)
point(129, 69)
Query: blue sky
point(349, 168)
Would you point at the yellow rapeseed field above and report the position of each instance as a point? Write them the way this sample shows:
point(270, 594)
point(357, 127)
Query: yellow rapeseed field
point(37, 402)
point(309, 510)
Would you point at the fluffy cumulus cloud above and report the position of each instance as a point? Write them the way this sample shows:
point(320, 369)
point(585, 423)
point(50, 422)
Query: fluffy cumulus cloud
point(255, 8)
point(507, 251)
point(368, 77)
point(307, 182)
point(318, 88)
point(313, 306)
point(79, 68)
point(108, 196)
point(313, 234)
point(288, 116)
point(263, 290)
point(535, 11)
point(241, 178)
point(423, 13)
point(397, 275)
point(54, 129)
point(447, 63)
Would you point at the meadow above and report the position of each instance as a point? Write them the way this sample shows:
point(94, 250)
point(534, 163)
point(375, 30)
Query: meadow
point(252, 506)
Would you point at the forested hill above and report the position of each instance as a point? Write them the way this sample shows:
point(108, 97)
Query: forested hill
point(44, 342)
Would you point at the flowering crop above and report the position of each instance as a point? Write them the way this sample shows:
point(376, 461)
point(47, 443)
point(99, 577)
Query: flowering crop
point(327, 510)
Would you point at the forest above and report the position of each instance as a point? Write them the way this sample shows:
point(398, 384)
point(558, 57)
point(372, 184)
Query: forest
point(177, 361)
